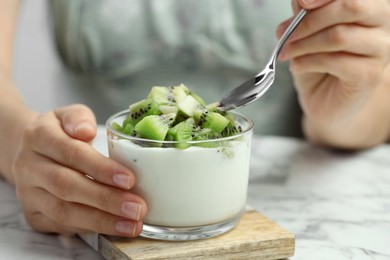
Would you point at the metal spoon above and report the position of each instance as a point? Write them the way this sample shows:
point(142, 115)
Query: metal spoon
point(256, 87)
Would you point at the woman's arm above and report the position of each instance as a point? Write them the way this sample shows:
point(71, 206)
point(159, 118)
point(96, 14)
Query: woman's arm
point(47, 158)
point(14, 114)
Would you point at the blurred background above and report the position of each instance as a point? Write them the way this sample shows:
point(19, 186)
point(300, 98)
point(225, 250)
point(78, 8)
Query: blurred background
point(46, 82)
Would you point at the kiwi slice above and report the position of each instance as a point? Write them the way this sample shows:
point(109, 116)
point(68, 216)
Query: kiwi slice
point(129, 130)
point(184, 88)
point(168, 109)
point(188, 105)
point(213, 107)
point(141, 109)
point(212, 120)
point(187, 131)
point(154, 127)
point(193, 94)
point(205, 134)
point(167, 95)
point(231, 129)
point(183, 132)
point(117, 127)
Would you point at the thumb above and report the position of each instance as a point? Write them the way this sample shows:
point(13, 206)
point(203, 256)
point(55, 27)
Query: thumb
point(78, 121)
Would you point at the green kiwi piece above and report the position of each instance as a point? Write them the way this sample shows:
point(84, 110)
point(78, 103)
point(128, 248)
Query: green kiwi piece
point(179, 93)
point(167, 95)
point(129, 130)
point(193, 94)
point(212, 120)
point(206, 134)
point(231, 118)
point(231, 129)
point(184, 133)
point(172, 132)
point(154, 127)
point(161, 95)
point(116, 127)
point(189, 105)
point(168, 109)
point(213, 107)
point(139, 110)
point(184, 88)
point(197, 98)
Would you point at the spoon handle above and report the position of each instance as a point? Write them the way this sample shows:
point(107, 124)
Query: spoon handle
point(294, 23)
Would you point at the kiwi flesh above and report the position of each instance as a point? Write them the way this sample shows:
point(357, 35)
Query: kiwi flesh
point(142, 109)
point(129, 130)
point(206, 134)
point(167, 95)
point(231, 129)
point(154, 127)
point(212, 120)
point(184, 133)
point(188, 105)
point(177, 114)
point(168, 109)
point(117, 127)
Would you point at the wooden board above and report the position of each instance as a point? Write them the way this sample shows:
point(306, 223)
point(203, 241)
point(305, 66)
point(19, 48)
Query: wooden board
point(255, 237)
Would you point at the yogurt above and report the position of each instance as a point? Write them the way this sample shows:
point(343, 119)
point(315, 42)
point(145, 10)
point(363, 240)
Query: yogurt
point(188, 187)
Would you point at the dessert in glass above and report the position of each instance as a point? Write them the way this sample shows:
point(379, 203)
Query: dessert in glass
point(190, 161)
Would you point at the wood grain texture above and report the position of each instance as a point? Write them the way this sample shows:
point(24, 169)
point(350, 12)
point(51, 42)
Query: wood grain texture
point(255, 237)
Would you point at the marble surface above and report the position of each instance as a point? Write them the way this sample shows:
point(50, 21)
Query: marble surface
point(337, 204)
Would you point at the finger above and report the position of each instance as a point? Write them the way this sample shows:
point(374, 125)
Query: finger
point(312, 4)
point(49, 140)
point(71, 186)
point(78, 122)
point(42, 224)
point(343, 66)
point(365, 13)
point(344, 37)
point(282, 27)
point(82, 217)
point(295, 6)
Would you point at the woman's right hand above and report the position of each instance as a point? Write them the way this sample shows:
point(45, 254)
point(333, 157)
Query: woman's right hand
point(51, 168)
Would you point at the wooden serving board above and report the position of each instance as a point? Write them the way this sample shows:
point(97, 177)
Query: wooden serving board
point(255, 237)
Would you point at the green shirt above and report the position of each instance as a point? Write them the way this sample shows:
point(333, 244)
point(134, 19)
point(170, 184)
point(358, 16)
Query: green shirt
point(121, 48)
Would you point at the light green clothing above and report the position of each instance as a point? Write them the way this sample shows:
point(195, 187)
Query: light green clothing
point(124, 47)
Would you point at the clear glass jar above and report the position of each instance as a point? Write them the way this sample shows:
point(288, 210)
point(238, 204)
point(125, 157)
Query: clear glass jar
point(192, 193)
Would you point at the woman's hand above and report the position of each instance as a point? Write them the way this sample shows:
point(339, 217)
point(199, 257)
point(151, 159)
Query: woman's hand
point(340, 57)
point(53, 173)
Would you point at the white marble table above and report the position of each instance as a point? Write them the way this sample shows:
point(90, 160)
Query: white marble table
point(337, 204)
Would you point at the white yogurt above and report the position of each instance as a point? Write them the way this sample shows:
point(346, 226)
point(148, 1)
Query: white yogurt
point(190, 187)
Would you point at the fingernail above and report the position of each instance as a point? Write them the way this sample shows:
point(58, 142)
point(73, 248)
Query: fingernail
point(126, 228)
point(132, 210)
point(122, 180)
point(83, 126)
